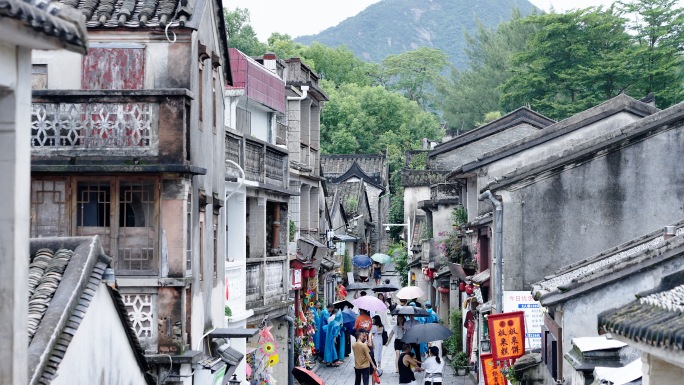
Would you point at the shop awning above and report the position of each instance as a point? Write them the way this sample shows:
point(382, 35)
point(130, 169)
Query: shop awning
point(312, 249)
point(481, 277)
point(344, 238)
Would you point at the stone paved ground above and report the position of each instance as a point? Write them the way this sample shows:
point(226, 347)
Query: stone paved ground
point(344, 374)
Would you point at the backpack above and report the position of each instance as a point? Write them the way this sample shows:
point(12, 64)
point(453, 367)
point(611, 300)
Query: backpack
point(385, 337)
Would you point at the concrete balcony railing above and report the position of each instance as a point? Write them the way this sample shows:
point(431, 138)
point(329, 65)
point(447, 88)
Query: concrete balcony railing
point(111, 123)
point(262, 162)
point(266, 282)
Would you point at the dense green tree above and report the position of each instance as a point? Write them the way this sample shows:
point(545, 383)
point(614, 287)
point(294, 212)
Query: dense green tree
point(467, 95)
point(416, 73)
point(657, 29)
point(241, 35)
point(573, 61)
point(340, 65)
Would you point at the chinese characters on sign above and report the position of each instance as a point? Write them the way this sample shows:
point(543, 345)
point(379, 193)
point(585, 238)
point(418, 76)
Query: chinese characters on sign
point(534, 315)
point(507, 335)
point(492, 372)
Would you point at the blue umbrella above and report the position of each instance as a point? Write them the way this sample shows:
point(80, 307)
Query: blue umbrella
point(362, 260)
point(348, 320)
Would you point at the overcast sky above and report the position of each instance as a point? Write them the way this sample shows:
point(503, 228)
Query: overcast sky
point(308, 17)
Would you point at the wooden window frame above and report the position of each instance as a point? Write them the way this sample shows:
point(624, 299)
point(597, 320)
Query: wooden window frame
point(114, 210)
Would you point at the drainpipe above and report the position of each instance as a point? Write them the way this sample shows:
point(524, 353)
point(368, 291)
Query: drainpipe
point(305, 90)
point(498, 229)
point(290, 348)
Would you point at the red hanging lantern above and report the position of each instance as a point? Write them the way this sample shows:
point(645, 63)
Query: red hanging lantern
point(461, 286)
point(443, 290)
point(470, 289)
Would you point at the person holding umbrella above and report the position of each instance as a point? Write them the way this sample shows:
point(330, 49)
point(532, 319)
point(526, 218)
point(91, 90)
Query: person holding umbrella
point(411, 322)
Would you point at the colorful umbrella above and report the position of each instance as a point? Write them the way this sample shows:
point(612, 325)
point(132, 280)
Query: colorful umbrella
point(369, 303)
point(410, 292)
point(381, 258)
point(348, 319)
point(426, 333)
point(362, 260)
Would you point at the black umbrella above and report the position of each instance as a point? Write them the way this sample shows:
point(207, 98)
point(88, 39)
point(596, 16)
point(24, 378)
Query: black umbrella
point(385, 288)
point(411, 310)
point(357, 286)
point(341, 304)
point(426, 333)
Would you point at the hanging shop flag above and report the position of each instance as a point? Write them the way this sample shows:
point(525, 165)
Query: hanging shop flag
point(492, 371)
point(507, 335)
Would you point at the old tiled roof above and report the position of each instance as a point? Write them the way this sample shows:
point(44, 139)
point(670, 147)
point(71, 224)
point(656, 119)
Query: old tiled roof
point(616, 105)
point(655, 319)
point(336, 165)
point(64, 275)
point(574, 279)
point(594, 147)
point(50, 18)
point(413, 178)
point(351, 197)
point(355, 171)
point(522, 115)
point(132, 13)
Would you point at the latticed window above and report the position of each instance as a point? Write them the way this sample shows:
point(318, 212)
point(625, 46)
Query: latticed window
point(123, 212)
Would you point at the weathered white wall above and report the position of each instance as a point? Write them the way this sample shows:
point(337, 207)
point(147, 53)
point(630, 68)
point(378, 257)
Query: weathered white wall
point(56, 62)
point(659, 372)
point(413, 195)
point(15, 169)
point(100, 353)
point(260, 124)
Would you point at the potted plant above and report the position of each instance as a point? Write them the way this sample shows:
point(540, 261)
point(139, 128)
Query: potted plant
point(461, 364)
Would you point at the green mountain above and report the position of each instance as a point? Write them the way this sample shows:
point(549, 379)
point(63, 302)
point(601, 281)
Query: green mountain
point(395, 26)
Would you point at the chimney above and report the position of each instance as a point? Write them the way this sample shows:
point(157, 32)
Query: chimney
point(270, 62)
point(670, 231)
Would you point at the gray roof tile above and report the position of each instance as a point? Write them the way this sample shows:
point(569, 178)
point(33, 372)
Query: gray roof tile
point(49, 18)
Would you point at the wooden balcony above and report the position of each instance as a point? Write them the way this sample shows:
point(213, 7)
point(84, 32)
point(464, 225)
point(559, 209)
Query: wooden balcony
point(110, 124)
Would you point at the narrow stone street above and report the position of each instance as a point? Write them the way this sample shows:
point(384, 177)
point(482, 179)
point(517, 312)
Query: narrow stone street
point(344, 374)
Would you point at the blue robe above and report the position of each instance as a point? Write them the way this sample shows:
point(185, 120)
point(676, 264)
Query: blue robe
point(323, 319)
point(317, 324)
point(333, 330)
point(340, 320)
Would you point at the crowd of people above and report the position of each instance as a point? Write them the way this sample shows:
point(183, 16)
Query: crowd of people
point(371, 333)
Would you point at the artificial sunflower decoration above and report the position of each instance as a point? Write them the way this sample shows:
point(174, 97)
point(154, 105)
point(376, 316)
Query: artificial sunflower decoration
point(268, 348)
point(273, 360)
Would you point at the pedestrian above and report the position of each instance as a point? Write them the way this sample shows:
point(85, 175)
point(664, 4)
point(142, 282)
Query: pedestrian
point(363, 321)
point(362, 358)
point(398, 335)
point(363, 273)
point(433, 366)
point(376, 333)
point(370, 341)
point(411, 322)
point(406, 375)
point(377, 273)
point(433, 316)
